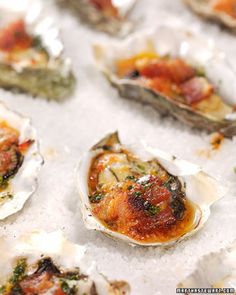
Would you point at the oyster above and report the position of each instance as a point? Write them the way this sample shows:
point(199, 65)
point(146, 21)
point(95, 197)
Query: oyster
point(171, 70)
point(109, 16)
point(222, 11)
point(142, 195)
point(216, 270)
point(46, 263)
point(31, 52)
point(20, 161)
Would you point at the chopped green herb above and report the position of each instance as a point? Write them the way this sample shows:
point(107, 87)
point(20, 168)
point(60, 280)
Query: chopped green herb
point(201, 72)
point(153, 210)
point(67, 289)
point(130, 187)
point(141, 167)
point(137, 194)
point(96, 198)
point(130, 177)
point(19, 271)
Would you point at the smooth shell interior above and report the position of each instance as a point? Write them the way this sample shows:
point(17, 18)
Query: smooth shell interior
point(24, 183)
point(176, 42)
point(65, 254)
point(201, 189)
point(214, 270)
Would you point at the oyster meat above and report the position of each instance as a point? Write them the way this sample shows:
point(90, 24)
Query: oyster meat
point(41, 263)
point(222, 11)
point(31, 52)
point(20, 161)
point(172, 71)
point(215, 270)
point(142, 195)
point(109, 16)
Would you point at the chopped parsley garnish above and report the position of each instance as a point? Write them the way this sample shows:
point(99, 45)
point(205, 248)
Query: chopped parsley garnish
point(130, 177)
point(18, 272)
point(67, 289)
point(141, 167)
point(153, 210)
point(130, 187)
point(96, 198)
point(137, 194)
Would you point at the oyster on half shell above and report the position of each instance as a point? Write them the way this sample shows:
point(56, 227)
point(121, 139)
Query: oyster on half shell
point(108, 16)
point(31, 57)
point(177, 73)
point(20, 161)
point(141, 195)
point(46, 263)
point(222, 11)
point(215, 270)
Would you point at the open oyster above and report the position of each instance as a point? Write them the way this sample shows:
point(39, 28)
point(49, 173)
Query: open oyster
point(222, 11)
point(216, 270)
point(105, 15)
point(172, 71)
point(142, 195)
point(20, 161)
point(31, 51)
point(46, 263)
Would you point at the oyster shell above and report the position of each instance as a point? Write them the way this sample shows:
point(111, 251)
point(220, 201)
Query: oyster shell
point(19, 181)
point(36, 64)
point(206, 9)
point(173, 198)
point(182, 46)
point(39, 253)
point(112, 22)
point(215, 270)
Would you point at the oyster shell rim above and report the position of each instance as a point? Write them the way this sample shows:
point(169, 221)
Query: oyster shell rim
point(32, 159)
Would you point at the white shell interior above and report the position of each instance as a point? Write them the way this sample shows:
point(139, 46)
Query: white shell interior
point(173, 41)
point(64, 254)
point(24, 183)
point(216, 270)
point(123, 6)
point(201, 189)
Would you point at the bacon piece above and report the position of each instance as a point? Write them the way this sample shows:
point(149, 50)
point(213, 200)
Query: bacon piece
point(196, 89)
point(15, 37)
point(227, 6)
point(175, 70)
point(105, 6)
point(36, 283)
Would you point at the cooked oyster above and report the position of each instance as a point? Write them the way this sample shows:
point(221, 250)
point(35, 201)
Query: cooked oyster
point(142, 195)
point(105, 15)
point(216, 270)
point(31, 52)
point(222, 11)
point(172, 71)
point(20, 161)
point(42, 263)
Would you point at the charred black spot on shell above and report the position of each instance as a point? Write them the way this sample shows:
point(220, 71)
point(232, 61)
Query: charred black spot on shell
point(47, 265)
point(133, 75)
point(93, 290)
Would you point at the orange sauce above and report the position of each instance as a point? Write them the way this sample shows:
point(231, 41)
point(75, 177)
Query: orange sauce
point(226, 6)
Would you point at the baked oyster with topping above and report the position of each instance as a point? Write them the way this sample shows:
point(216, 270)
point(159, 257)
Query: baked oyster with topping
point(109, 16)
point(215, 270)
point(42, 263)
point(20, 161)
point(31, 52)
point(173, 72)
point(142, 195)
point(222, 11)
